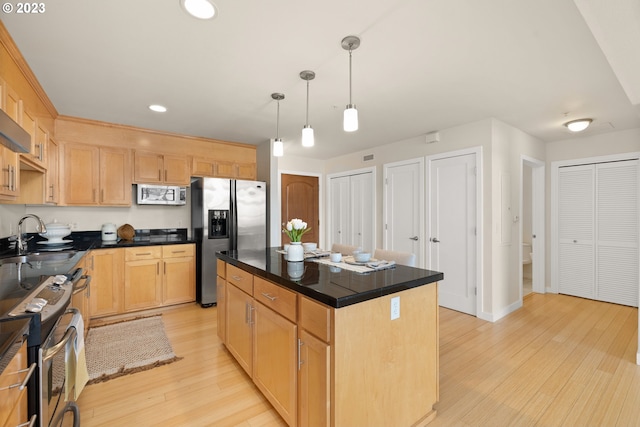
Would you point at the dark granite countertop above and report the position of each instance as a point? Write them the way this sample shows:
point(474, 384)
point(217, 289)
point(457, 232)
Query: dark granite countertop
point(12, 335)
point(334, 287)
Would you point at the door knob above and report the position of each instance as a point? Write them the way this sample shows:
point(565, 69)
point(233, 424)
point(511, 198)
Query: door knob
point(434, 240)
point(414, 238)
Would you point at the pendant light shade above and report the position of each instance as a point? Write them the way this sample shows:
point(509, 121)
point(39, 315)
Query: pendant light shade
point(350, 123)
point(278, 146)
point(308, 139)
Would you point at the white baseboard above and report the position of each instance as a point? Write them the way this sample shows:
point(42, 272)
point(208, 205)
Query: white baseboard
point(494, 317)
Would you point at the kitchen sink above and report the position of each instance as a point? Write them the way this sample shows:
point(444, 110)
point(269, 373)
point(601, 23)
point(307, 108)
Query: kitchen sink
point(38, 256)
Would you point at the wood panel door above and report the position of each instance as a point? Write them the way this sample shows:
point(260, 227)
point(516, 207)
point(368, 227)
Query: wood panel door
point(299, 199)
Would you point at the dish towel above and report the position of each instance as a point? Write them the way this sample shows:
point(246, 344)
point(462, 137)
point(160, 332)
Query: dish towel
point(77, 373)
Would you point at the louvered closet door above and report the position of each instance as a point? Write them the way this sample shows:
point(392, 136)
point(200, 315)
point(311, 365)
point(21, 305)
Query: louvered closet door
point(617, 232)
point(576, 224)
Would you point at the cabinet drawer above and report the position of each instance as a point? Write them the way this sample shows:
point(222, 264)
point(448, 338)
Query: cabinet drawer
point(221, 270)
point(14, 374)
point(143, 252)
point(277, 298)
point(240, 278)
point(177, 251)
point(315, 318)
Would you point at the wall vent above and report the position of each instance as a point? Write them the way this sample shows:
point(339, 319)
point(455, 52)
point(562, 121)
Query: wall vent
point(367, 158)
point(432, 137)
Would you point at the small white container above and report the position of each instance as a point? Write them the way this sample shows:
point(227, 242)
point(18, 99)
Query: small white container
point(56, 232)
point(362, 256)
point(308, 246)
point(335, 257)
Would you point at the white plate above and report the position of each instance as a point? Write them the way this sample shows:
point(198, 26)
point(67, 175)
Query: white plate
point(55, 242)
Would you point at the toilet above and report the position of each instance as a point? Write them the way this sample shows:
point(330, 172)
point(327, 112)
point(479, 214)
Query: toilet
point(527, 254)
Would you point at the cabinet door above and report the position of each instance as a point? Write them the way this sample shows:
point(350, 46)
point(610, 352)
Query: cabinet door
point(12, 104)
point(147, 167)
point(142, 285)
point(33, 156)
point(240, 326)
point(225, 169)
point(179, 280)
point(9, 180)
point(202, 167)
point(314, 380)
point(221, 287)
point(115, 177)
point(275, 361)
point(245, 171)
point(176, 170)
point(52, 185)
point(80, 174)
point(107, 282)
point(13, 404)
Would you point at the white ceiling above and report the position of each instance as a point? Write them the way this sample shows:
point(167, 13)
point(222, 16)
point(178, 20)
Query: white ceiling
point(423, 65)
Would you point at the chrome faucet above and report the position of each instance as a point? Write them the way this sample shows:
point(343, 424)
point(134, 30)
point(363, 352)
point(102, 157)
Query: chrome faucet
point(22, 242)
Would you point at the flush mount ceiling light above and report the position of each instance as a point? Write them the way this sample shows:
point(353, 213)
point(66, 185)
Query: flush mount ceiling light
point(158, 108)
point(278, 147)
point(578, 125)
point(307, 131)
point(201, 9)
point(350, 122)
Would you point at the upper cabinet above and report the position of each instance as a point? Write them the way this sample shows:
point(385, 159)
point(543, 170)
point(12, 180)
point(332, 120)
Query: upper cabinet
point(35, 159)
point(157, 168)
point(222, 169)
point(95, 175)
point(9, 172)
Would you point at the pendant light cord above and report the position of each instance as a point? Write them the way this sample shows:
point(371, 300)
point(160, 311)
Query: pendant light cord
point(307, 119)
point(278, 121)
point(350, 74)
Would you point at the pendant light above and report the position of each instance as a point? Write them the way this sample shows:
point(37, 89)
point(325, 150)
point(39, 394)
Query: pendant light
point(307, 131)
point(350, 123)
point(278, 147)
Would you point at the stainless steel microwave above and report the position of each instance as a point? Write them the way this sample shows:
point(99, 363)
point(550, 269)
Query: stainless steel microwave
point(149, 194)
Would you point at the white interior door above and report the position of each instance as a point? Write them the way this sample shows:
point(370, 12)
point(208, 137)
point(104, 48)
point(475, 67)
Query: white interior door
point(452, 230)
point(362, 211)
point(340, 211)
point(404, 207)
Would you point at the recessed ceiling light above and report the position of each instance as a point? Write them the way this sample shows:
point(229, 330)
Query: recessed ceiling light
point(158, 108)
point(578, 125)
point(201, 9)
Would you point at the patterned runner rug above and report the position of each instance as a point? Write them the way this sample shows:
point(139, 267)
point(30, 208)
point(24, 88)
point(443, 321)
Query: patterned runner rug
point(127, 347)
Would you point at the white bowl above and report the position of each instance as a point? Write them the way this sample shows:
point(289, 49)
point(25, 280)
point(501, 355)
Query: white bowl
point(308, 246)
point(56, 232)
point(362, 256)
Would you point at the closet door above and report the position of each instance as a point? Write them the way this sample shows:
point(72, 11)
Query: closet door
point(361, 189)
point(340, 210)
point(576, 224)
point(617, 232)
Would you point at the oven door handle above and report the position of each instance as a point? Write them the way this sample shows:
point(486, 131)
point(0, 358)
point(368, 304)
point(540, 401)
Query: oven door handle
point(69, 334)
point(87, 281)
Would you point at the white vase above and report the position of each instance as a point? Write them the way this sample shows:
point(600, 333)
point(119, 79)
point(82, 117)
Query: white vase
point(295, 252)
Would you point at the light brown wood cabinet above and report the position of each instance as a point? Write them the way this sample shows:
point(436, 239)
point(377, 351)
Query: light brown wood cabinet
point(96, 175)
point(261, 333)
point(36, 158)
point(221, 288)
point(13, 401)
point(107, 282)
point(222, 169)
point(10, 179)
point(178, 274)
point(52, 182)
point(81, 296)
point(351, 366)
point(158, 168)
point(150, 277)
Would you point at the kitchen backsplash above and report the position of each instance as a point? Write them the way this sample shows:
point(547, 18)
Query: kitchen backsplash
point(92, 218)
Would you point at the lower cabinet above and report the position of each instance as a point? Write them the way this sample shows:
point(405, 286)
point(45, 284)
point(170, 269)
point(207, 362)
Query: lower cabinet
point(107, 282)
point(142, 277)
point(240, 326)
point(13, 401)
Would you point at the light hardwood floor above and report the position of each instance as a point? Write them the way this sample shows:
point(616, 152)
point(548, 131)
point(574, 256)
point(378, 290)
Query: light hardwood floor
point(558, 361)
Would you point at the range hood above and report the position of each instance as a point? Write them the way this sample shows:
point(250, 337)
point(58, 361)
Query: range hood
point(12, 135)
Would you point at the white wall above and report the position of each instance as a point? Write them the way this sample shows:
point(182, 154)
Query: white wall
point(92, 218)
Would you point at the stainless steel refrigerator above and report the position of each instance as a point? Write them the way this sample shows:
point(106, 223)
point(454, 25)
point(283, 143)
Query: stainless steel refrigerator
point(226, 215)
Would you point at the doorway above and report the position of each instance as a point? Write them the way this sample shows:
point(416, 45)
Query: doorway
point(299, 199)
point(532, 227)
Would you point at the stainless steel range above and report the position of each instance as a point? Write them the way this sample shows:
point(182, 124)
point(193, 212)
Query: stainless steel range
point(39, 286)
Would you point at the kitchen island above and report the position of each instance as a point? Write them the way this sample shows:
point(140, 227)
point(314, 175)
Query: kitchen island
point(333, 347)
